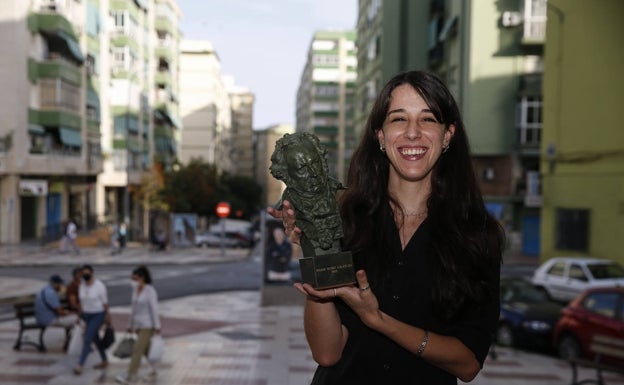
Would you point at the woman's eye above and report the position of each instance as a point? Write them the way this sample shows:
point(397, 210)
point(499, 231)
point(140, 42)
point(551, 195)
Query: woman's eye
point(429, 119)
point(397, 119)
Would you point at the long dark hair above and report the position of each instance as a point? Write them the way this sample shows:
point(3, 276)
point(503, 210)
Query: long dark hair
point(466, 242)
point(143, 272)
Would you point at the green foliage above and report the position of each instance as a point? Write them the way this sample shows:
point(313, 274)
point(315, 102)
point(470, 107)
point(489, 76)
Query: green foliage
point(197, 188)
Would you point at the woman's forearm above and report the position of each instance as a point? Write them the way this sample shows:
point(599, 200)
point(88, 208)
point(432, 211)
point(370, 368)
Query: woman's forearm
point(325, 333)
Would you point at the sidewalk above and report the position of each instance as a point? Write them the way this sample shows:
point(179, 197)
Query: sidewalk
point(228, 339)
point(135, 253)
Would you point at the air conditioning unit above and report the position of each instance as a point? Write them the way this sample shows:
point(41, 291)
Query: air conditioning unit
point(511, 19)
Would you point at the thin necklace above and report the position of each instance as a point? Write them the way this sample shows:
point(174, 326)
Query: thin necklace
point(416, 214)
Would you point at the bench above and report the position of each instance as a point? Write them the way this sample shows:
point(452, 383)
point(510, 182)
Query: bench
point(600, 346)
point(25, 313)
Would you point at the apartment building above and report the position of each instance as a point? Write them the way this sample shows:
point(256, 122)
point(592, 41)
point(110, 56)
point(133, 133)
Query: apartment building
point(490, 56)
point(141, 123)
point(205, 106)
point(241, 103)
point(264, 145)
point(49, 117)
point(326, 95)
point(90, 91)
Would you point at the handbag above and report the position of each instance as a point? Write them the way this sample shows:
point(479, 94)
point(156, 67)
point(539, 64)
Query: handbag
point(125, 347)
point(156, 349)
point(75, 343)
point(109, 337)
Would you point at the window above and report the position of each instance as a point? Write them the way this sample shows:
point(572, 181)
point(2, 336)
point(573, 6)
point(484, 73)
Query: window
point(90, 65)
point(59, 94)
point(572, 229)
point(529, 120)
point(119, 20)
point(601, 303)
point(374, 47)
point(557, 269)
point(535, 19)
point(576, 272)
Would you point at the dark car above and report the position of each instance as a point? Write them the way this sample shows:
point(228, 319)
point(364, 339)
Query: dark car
point(594, 312)
point(527, 315)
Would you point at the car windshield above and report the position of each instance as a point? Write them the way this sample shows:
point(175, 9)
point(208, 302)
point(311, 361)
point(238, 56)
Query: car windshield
point(606, 270)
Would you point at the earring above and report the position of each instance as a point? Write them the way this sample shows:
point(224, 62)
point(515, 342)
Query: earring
point(382, 148)
point(445, 149)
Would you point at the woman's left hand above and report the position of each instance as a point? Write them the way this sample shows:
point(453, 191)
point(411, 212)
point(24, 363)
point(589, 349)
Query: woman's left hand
point(360, 298)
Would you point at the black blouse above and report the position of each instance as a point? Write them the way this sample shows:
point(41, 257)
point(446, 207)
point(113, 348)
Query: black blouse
point(404, 292)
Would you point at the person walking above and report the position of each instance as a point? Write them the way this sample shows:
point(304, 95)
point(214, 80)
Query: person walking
point(426, 252)
point(95, 314)
point(144, 320)
point(71, 236)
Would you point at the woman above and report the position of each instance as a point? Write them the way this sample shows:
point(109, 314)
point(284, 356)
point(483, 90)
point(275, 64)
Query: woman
point(426, 251)
point(93, 303)
point(144, 320)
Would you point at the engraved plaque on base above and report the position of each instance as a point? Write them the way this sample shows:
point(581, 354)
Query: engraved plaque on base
point(328, 270)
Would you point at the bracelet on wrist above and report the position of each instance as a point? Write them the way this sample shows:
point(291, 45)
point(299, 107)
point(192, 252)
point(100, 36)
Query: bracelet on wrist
point(423, 344)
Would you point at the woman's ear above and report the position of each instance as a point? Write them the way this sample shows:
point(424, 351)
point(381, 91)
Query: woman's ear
point(448, 135)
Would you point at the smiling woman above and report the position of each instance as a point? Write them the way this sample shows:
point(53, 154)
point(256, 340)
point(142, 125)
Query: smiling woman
point(427, 252)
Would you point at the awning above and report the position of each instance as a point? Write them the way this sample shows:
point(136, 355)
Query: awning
point(35, 129)
point(70, 137)
point(158, 115)
point(166, 115)
point(69, 44)
point(175, 121)
point(143, 4)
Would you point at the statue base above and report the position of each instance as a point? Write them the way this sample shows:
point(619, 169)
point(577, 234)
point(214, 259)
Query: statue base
point(328, 270)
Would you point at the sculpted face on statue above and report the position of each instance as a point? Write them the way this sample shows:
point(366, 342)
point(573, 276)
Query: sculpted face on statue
point(305, 169)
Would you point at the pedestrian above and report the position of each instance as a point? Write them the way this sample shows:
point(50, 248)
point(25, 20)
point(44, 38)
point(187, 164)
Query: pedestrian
point(122, 236)
point(72, 291)
point(426, 252)
point(95, 314)
point(114, 238)
point(71, 236)
point(144, 320)
point(48, 309)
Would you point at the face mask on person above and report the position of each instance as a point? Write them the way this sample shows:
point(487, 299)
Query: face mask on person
point(134, 284)
point(86, 277)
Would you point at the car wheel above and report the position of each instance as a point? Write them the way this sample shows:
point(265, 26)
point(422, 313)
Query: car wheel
point(568, 347)
point(504, 335)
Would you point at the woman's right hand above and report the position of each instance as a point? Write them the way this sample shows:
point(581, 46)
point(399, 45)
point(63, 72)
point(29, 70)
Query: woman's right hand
point(287, 214)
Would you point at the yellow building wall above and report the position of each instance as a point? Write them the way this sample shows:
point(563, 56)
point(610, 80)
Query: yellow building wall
point(582, 163)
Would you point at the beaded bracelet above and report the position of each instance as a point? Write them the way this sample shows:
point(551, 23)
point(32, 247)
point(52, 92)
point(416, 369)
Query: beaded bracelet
point(423, 344)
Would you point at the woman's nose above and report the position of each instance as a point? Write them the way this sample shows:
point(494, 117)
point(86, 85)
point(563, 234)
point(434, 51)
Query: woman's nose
point(413, 130)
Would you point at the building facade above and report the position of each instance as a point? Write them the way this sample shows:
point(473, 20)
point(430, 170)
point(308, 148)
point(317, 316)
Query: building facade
point(326, 95)
point(49, 131)
point(582, 146)
point(241, 103)
point(205, 106)
point(264, 145)
point(141, 122)
point(490, 56)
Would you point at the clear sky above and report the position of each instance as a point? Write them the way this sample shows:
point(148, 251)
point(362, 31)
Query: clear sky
point(264, 43)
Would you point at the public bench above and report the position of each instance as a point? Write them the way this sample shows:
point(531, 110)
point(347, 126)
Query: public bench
point(600, 347)
point(25, 313)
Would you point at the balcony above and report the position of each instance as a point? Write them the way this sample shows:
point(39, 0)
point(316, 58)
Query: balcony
point(55, 67)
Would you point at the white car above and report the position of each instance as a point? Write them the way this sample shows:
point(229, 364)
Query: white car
point(564, 278)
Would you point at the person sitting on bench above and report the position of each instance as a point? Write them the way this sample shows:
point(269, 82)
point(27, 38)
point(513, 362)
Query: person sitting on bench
point(48, 309)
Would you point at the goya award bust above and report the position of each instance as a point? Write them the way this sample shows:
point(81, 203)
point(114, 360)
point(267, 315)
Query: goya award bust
point(300, 162)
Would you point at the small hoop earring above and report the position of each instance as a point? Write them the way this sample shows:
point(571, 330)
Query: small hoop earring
point(445, 149)
point(382, 148)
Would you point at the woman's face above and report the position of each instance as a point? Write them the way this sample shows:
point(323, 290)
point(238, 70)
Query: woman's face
point(412, 136)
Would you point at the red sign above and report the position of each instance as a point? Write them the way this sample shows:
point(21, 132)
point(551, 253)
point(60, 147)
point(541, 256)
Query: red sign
point(223, 209)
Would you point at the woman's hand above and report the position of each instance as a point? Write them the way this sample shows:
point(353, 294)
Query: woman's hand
point(287, 214)
point(360, 298)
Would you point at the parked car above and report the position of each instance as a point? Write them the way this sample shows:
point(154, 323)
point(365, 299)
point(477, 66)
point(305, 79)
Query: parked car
point(564, 278)
point(594, 312)
point(212, 238)
point(527, 315)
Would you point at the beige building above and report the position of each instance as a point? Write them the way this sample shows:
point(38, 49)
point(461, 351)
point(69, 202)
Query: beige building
point(241, 103)
point(205, 105)
point(264, 145)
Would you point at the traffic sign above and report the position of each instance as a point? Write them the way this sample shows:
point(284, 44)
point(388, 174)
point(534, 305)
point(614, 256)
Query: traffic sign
point(223, 209)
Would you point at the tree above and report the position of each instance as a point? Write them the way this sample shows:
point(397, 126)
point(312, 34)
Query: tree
point(243, 194)
point(191, 188)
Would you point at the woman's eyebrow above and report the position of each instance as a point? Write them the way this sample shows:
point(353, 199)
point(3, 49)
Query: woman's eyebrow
point(401, 110)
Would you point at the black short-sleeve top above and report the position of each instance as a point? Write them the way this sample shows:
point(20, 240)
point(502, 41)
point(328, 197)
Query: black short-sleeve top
point(404, 292)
